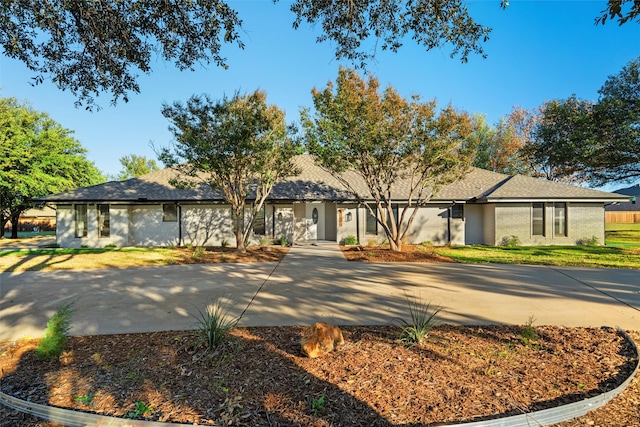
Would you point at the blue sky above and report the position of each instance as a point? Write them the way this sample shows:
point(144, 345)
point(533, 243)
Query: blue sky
point(538, 50)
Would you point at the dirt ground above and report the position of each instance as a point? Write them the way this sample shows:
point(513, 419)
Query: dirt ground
point(259, 377)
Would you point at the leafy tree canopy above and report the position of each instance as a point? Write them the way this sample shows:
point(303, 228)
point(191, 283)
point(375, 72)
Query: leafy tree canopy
point(89, 47)
point(431, 24)
point(240, 145)
point(622, 10)
point(134, 166)
point(500, 147)
point(37, 157)
point(583, 141)
point(614, 152)
point(386, 139)
point(562, 131)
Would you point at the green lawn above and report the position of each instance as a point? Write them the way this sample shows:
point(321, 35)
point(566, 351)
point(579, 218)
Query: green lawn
point(624, 235)
point(71, 259)
point(622, 250)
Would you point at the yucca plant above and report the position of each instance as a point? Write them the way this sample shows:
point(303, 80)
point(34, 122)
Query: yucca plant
point(213, 324)
point(423, 320)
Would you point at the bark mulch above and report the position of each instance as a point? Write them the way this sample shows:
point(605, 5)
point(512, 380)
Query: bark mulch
point(259, 377)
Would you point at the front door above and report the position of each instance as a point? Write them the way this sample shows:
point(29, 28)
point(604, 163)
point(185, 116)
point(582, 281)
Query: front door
point(314, 217)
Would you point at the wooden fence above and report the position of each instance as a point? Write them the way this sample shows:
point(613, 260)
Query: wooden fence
point(622, 217)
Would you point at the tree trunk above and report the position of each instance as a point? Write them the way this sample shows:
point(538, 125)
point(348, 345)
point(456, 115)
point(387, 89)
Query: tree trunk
point(395, 246)
point(3, 223)
point(14, 226)
point(240, 247)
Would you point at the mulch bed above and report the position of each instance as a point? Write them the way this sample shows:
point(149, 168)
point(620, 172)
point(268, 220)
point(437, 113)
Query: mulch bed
point(259, 376)
point(375, 253)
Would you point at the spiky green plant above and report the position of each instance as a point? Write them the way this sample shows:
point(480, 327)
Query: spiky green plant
point(213, 324)
point(423, 320)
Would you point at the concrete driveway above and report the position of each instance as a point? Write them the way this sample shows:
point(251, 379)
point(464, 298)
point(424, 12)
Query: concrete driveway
point(316, 283)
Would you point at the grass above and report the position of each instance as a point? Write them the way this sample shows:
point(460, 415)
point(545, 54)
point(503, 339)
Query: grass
point(621, 251)
point(623, 235)
point(70, 259)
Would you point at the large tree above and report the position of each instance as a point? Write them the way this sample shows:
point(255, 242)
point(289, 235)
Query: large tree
point(614, 150)
point(37, 157)
point(582, 141)
point(91, 47)
point(387, 140)
point(134, 166)
point(560, 142)
point(500, 147)
point(240, 145)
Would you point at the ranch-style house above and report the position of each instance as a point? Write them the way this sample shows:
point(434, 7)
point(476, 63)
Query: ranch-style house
point(482, 208)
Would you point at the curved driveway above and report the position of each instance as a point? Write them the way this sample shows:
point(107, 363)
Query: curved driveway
point(316, 283)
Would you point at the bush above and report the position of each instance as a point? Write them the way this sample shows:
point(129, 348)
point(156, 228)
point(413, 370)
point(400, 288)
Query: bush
point(56, 334)
point(588, 241)
point(510, 241)
point(428, 247)
point(198, 252)
point(265, 241)
point(283, 241)
point(528, 334)
point(213, 324)
point(350, 240)
point(423, 320)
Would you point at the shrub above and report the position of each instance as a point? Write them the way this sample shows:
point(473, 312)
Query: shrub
point(265, 241)
point(423, 320)
point(350, 240)
point(428, 247)
point(56, 334)
point(283, 241)
point(510, 241)
point(528, 334)
point(213, 324)
point(198, 252)
point(588, 241)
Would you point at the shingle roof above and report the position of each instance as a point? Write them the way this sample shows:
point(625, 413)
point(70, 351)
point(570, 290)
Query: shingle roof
point(526, 187)
point(315, 183)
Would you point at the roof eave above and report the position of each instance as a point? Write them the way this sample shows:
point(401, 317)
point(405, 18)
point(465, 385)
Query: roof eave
point(552, 199)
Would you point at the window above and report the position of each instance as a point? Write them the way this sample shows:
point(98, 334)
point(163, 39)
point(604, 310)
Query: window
point(104, 229)
point(560, 219)
point(169, 213)
point(259, 228)
point(457, 211)
point(371, 225)
point(81, 220)
point(538, 219)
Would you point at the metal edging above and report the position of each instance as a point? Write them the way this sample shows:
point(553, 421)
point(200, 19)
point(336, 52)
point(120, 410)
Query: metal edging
point(562, 413)
point(71, 418)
